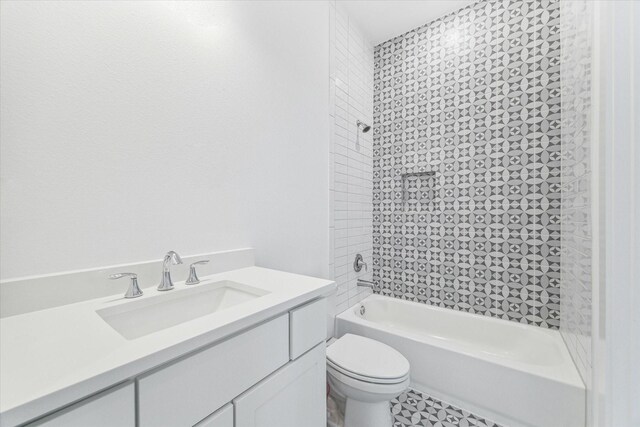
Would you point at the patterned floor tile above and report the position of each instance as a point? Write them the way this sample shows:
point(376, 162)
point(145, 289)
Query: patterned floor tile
point(415, 409)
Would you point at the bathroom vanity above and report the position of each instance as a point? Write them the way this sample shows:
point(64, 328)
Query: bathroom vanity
point(243, 348)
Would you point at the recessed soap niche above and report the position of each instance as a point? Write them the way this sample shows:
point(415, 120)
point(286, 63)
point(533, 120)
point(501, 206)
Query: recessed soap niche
point(417, 190)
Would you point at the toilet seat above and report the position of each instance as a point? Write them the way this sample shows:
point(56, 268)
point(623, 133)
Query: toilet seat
point(363, 359)
point(355, 376)
point(375, 390)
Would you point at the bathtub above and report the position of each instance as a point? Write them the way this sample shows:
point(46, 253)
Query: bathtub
point(514, 374)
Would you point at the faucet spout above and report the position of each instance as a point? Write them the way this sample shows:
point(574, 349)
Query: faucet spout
point(171, 258)
point(366, 284)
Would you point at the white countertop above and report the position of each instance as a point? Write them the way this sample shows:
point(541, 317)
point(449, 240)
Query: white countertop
point(54, 357)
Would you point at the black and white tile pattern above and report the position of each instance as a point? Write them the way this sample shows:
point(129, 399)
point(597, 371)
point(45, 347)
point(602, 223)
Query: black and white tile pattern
point(415, 409)
point(475, 98)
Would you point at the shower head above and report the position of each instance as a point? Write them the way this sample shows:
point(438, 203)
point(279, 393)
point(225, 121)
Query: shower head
point(363, 126)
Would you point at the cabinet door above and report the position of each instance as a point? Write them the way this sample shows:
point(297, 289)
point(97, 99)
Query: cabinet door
point(112, 408)
point(190, 389)
point(221, 418)
point(293, 396)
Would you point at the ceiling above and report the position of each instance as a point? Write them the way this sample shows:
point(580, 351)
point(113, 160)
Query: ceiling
point(381, 20)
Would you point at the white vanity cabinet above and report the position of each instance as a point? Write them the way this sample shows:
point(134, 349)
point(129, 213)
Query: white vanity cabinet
point(185, 392)
point(112, 408)
point(293, 396)
point(270, 374)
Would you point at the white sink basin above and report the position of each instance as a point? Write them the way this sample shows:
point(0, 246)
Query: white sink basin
point(141, 317)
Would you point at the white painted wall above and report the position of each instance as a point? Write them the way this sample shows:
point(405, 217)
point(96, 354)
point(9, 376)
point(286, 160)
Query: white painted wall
point(616, 318)
point(132, 128)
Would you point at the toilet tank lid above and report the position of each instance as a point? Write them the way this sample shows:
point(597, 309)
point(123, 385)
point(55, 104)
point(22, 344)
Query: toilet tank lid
point(366, 357)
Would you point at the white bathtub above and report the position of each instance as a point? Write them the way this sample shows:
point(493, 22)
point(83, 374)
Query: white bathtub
point(511, 373)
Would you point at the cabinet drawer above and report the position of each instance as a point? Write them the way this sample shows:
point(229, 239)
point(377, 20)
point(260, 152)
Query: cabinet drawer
point(112, 408)
point(187, 391)
point(221, 418)
point(308, 327)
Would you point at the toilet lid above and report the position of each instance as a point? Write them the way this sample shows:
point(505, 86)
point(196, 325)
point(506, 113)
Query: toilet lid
point(367, 358)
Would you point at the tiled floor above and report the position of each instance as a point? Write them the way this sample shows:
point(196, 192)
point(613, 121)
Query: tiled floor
point(415, 409)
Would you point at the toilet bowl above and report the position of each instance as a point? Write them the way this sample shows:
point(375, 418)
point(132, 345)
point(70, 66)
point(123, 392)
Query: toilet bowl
point(367, 374)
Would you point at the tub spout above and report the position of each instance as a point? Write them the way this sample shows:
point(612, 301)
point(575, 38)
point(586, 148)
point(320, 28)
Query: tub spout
point(366, 283)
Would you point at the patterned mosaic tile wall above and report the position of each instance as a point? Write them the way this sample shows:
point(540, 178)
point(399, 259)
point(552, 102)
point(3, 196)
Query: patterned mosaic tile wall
point(575, 283)
point(473, 99)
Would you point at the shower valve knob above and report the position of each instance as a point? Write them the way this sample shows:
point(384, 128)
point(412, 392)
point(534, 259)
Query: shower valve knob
point(358, 263)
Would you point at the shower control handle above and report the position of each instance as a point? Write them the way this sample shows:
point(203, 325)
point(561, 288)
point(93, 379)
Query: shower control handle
point(358, 263)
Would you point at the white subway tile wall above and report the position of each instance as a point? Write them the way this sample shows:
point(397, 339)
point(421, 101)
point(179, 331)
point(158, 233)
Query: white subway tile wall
point(351, 156)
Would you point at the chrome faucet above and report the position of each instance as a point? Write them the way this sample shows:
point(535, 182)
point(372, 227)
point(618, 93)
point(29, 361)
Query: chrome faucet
point(170, 258)
point(366, 284)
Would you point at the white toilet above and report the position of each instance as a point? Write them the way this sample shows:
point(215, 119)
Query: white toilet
point(368, 374)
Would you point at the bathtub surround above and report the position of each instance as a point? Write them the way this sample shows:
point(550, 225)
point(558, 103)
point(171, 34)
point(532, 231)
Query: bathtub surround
point(350, 158)
point(474, 98)
point(416, 409)
point(576, 247)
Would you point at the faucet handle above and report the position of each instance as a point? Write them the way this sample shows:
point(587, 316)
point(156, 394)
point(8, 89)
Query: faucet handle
point(193, 276)
point(358, 263)
point(134, 290)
